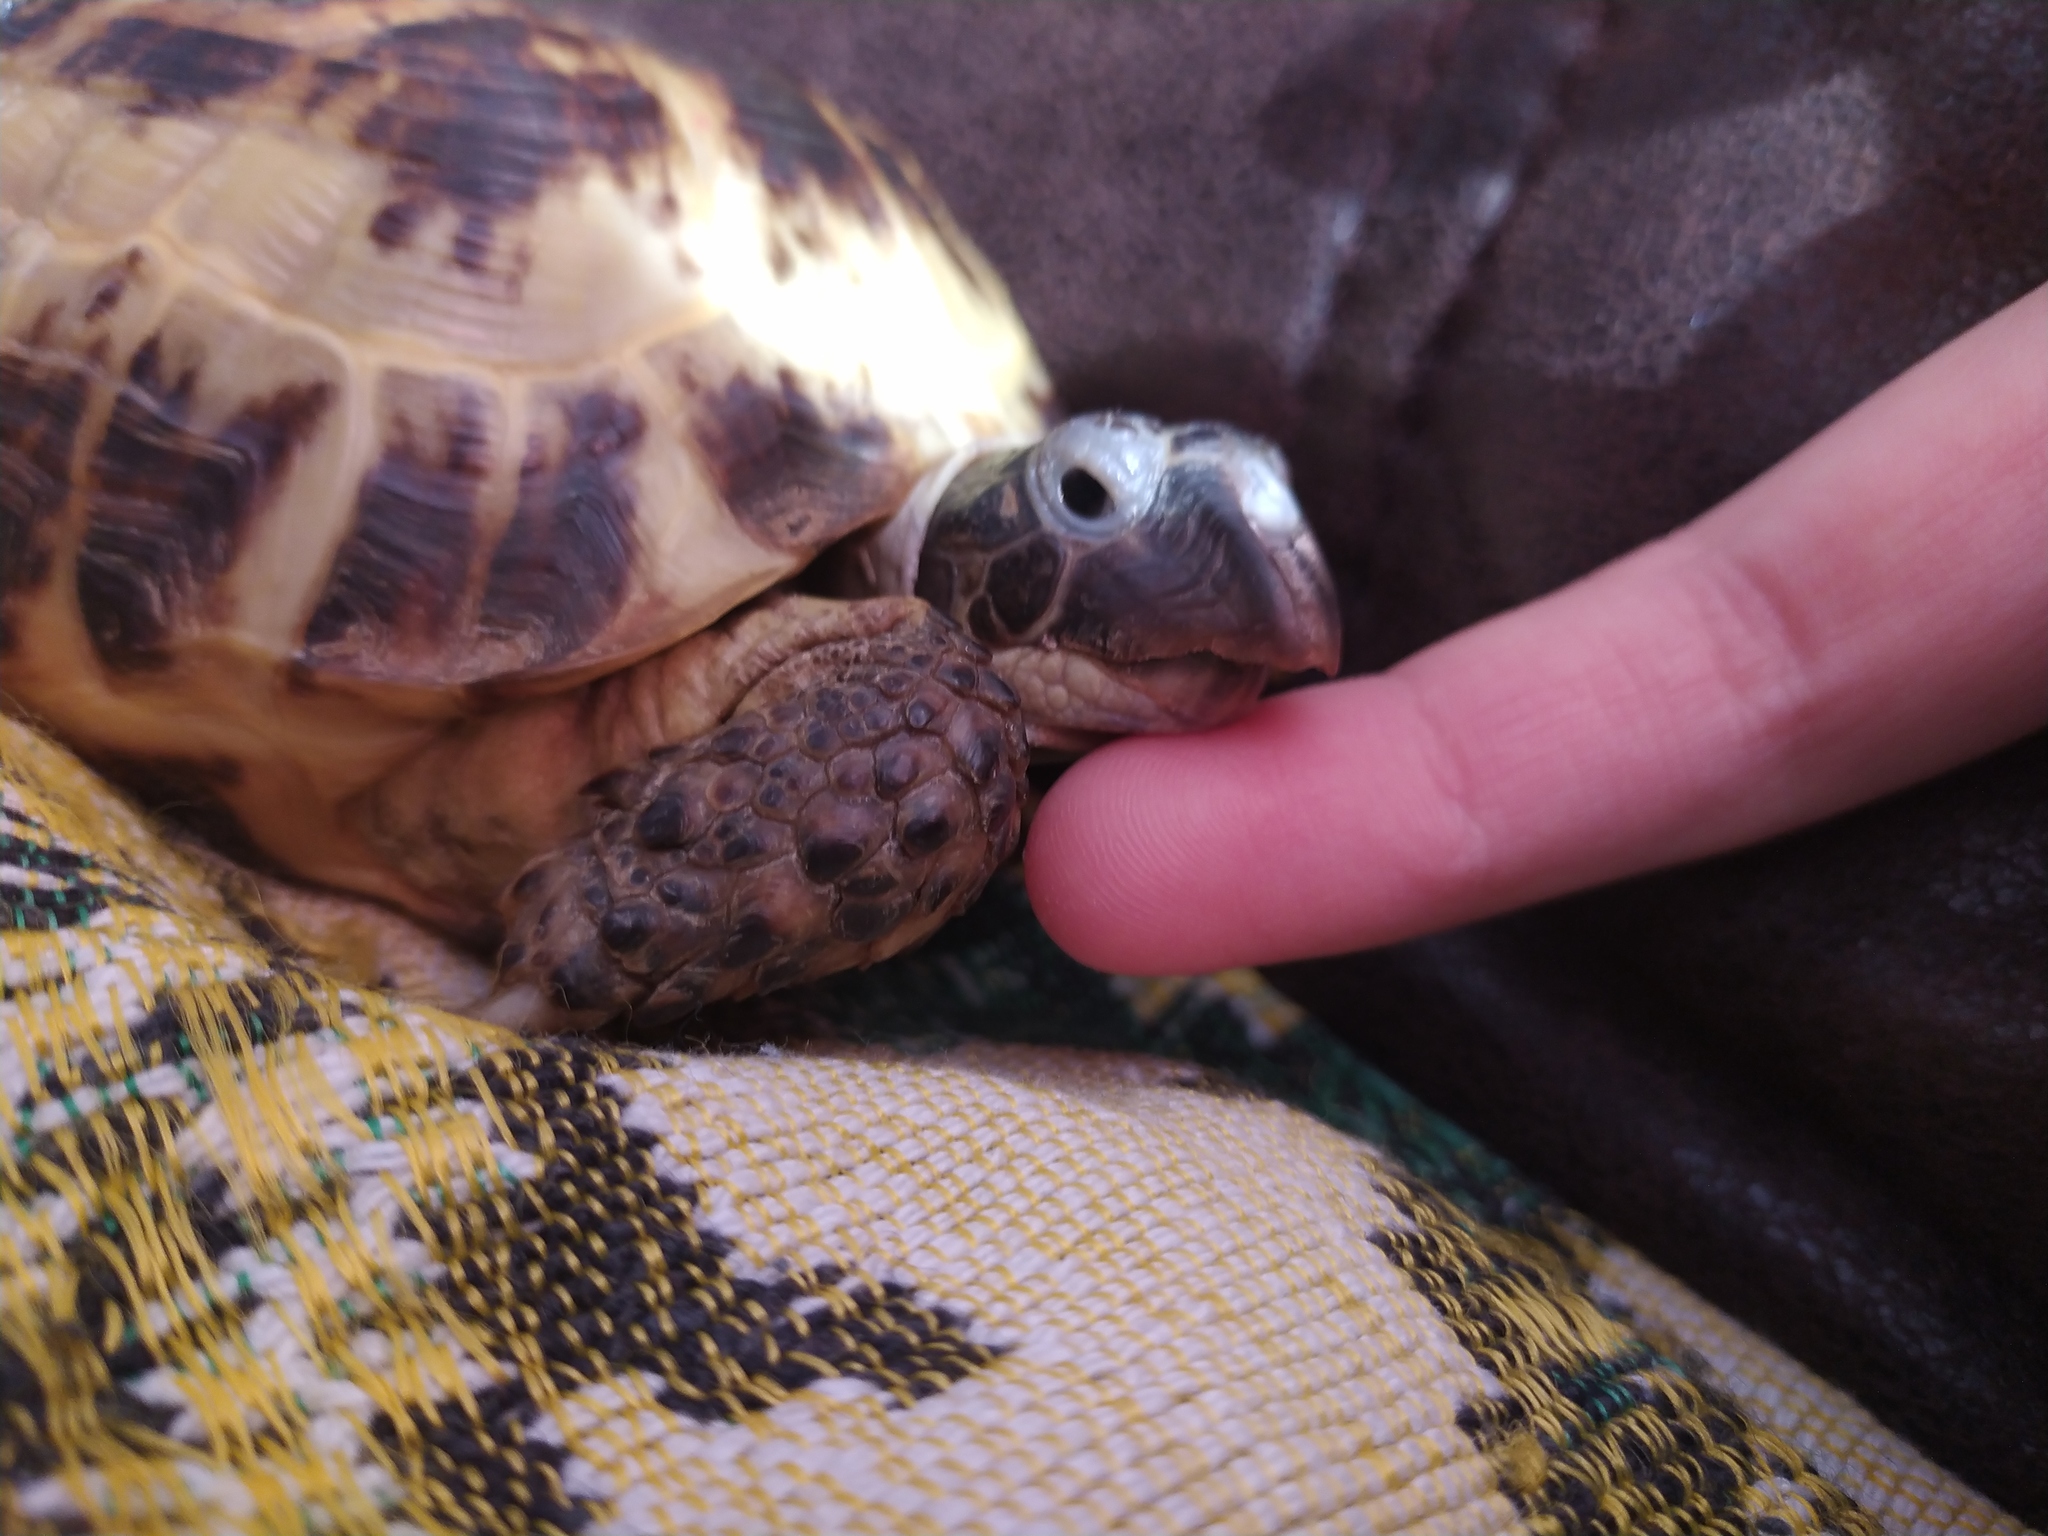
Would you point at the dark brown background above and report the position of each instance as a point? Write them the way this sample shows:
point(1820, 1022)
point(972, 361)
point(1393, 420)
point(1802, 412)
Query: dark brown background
point(1519, 287)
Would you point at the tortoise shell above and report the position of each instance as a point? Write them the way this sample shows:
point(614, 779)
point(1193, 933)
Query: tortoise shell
point(423, 347)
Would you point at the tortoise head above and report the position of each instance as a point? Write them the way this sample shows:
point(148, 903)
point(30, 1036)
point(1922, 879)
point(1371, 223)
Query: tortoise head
point(1128, 575)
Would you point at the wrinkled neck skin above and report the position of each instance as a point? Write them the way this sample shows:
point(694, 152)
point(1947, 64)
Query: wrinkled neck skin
point(1128, 577)
point(883, 562)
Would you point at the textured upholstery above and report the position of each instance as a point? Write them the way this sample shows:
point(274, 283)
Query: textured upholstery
point(283, 1253)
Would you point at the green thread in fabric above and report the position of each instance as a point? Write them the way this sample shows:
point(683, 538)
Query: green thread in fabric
point(997, 968)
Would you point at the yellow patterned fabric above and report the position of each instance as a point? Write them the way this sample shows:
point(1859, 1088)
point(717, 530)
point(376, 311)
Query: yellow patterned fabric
point(1891, 1480)
point(279, 1254)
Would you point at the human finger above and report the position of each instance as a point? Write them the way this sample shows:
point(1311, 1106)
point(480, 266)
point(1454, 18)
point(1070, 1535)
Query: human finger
point(1869, 612)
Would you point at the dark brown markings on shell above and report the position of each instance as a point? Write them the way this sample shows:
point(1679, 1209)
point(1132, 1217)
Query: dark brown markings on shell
point(907, 182)
point(395, 222)
point(404, 565)
point(472, 251)
point(467, 112)
point(180, 69)
point(167, 507)
point(25, 20)
point(44, 323)
point(106, 296)
point(895, 170)
point(40, 406)
point(562, 567)
point(795, 140)
point(146, 372)
point(112, 288)
point(793, 479)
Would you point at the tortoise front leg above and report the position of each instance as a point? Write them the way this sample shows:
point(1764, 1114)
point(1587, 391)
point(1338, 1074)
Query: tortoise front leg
point(859, 796)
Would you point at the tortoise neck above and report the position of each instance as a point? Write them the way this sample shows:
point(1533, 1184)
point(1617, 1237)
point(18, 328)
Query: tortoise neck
point(883, 561)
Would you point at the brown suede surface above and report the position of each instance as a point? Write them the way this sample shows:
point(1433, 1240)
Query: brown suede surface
point(1519, 287)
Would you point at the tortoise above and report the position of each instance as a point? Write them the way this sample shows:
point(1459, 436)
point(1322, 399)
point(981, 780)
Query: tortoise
point(594, 504)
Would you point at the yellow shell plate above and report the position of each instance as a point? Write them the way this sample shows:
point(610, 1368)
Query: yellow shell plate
point(397, 350)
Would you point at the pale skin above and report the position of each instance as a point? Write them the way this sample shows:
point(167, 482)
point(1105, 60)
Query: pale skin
point(1868, 613)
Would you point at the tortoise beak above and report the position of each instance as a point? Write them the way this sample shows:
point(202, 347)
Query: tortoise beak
point(1220, 562)
point(1288, 597)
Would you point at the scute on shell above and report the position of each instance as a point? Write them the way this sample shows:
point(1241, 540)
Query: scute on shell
point(437, 345)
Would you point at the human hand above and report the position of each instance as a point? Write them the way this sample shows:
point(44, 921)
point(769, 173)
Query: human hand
point(1868, 613)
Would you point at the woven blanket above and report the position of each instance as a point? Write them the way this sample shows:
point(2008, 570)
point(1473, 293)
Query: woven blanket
point(976, 1241)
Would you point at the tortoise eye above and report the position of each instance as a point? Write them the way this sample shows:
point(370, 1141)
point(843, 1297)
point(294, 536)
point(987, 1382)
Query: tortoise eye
point(1095, 475)
point(1083, 495)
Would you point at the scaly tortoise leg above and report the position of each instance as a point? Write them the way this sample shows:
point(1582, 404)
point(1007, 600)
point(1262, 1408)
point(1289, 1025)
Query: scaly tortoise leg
point(857, 798)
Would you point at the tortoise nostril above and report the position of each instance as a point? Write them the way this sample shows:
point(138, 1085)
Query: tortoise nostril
point(1083, 495)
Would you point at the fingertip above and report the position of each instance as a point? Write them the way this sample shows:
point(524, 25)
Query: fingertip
point(1141, 859)
point(1078, 865)
point(1310, 826)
